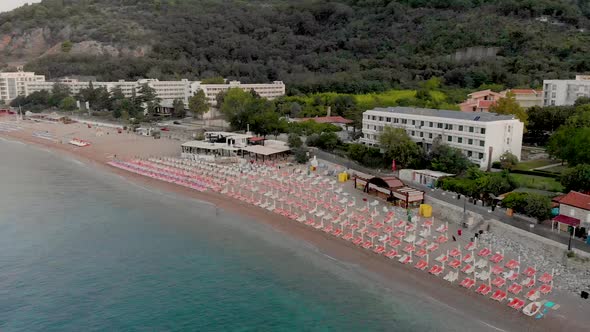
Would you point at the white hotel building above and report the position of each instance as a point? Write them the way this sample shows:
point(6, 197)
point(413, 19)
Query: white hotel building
point(565, 92)
point(167, 91)
point(483, 137)
point(14, 84)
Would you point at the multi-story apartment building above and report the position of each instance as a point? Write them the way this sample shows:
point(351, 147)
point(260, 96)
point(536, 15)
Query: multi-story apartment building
point(269, 91)
point(167, 91)
point(482, 137)
point(565, 92)
point(14, 84)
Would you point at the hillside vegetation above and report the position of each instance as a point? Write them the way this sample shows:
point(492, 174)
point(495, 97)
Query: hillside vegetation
point(346, 46)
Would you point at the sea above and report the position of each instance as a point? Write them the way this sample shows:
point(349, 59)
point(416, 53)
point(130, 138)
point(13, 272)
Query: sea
point(82, 249)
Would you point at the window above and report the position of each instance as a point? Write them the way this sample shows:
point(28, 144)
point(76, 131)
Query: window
point(483, 130)
point(459, 139)
point(470, 141)
point(439, 125)
point(429, 135)
point(469, 154)
point(421, 123)
point(480, 155)
point(470, 129)
point(387, 119)
point(553, 94)
point(482, 143)
point(380, 118)
point(460, 128)
point(413, 133)
point(413, 122)
point(396, 120)
point(404, 121)
point(448, 126)
point(421, 134)
point(450, 138)
point(430, 124)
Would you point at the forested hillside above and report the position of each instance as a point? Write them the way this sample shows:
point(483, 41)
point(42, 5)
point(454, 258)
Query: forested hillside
point(350, 46)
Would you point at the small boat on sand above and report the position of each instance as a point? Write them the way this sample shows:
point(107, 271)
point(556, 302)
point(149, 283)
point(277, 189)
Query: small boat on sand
point(79, 142)
point(532, 308)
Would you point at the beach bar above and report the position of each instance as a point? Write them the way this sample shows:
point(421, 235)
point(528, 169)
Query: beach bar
point(391, 189)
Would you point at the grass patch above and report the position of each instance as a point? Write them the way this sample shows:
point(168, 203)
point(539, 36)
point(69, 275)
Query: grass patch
point(382, 99)
point(537, 182)
point(529, 165)
point(557, 169)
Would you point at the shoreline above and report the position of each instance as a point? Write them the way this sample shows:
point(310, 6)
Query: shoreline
point(493, 315)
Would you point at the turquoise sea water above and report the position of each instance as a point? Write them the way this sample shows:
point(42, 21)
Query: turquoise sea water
point(83, 250)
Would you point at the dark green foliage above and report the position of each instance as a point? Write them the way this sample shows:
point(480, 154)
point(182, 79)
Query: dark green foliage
point(178, 108)
point(366, 156)
point(348, 46)
point(476, 183)
point(532, 205)
point(294, 141)
point(577, 178)
point(448, 159)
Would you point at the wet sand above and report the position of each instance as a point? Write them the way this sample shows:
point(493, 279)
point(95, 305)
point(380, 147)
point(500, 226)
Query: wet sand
point(492, 315)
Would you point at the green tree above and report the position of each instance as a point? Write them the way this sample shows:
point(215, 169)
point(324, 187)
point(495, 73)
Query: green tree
point(577, 178)
point(508, 160)
point(294, 141)
point(198, 104)
point(178, 108)
point(58, 93)
point(447, 159)
point(509, 106)
point(398, 146)
point(571, 145)
point(328, 141)
point(68, 104)
point(66, 46)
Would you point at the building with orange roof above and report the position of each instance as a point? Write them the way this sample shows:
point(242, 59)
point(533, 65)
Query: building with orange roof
point(482, 101)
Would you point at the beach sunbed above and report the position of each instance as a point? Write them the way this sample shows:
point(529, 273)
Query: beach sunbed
point(391, 254)
point(533, 295)
point(337, 232)
point(379, 250)
point(470, 246)
point(499, 295)
point(455, 252)
point(468, 269)
point(499, 282)
point(432, 247)
point(484, 252)
point(421, 265)
point(515, 289)
point(367, 245)
point(405, 259)
point(496, 258)
point(348, 236)
point(455, 264)
point(529, 282)
point(546, 289)
point(357, 241)
point(546, 278)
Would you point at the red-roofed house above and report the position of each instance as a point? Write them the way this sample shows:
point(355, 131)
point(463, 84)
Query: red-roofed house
point(480, 101)
point(574, 210)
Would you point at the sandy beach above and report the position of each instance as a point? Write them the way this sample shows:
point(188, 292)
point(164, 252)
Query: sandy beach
point(107, 144)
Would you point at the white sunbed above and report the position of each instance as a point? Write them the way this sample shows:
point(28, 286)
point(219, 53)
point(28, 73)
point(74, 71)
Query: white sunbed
point(481, 263)
point(410, 238)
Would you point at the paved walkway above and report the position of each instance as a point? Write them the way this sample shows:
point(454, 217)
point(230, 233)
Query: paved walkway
point(545, 167)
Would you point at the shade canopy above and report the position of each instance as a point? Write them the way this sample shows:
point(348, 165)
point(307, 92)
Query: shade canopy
point(567, 220)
